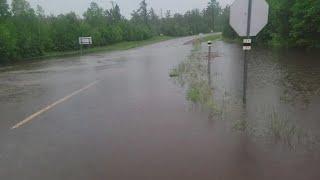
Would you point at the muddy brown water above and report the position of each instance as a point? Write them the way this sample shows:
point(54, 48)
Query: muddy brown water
point(283, 87)
point(137, 124)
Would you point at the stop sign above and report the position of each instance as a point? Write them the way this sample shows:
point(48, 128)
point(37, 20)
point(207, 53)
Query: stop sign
point(239, 12)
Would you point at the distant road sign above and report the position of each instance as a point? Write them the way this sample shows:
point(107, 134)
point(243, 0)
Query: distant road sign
point(239, 12)
point(85, 40)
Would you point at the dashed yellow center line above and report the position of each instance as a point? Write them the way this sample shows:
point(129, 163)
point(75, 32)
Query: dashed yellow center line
point(33, 116)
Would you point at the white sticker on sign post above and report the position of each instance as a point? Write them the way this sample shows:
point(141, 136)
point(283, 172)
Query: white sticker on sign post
point(247, 44)
point(247, 41)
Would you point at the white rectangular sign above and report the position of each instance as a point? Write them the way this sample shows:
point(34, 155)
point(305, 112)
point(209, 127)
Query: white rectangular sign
point(85, 40)
point(247, 41)
point(247, 44)
point(246, 48)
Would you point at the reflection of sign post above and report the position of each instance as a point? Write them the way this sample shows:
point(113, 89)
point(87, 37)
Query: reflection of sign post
point(84, 41)
point(248, 18)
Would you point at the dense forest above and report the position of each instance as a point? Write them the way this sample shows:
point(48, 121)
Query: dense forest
point(26, 32)
point(293, 23)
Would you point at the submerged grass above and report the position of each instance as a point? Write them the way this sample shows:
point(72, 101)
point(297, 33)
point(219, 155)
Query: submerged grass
point(282, 129)
point(174, 73)
point(241, 126)
point(192, 74)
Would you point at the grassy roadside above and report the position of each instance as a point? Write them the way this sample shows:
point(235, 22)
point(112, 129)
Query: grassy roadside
point(212, 37)
point(114, 47)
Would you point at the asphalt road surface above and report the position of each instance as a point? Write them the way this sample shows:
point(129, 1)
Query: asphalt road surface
point(119, 116)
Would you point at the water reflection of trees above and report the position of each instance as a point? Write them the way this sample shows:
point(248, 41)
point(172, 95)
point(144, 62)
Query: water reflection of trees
point(299, 75)
point(301, 84)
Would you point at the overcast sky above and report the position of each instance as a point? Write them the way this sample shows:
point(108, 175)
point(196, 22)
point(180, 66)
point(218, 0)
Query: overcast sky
point(127, 6)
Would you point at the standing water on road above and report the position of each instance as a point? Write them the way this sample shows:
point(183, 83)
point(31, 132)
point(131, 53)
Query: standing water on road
point(137, 123)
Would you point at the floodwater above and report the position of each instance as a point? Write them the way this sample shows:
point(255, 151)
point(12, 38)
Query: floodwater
point(138, 123)
point(283, 94)
point(281, 115)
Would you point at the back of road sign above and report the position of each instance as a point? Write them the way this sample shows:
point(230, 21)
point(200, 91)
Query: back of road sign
point(239, 16)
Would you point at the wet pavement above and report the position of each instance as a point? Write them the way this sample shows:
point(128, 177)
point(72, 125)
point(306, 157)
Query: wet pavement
point(136, 122)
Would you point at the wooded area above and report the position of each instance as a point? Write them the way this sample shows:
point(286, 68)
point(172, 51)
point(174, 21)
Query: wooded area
point(26, 32)
point(292, 24)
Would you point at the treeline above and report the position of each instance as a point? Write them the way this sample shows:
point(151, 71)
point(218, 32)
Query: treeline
point(26, 32)
point(292, 24)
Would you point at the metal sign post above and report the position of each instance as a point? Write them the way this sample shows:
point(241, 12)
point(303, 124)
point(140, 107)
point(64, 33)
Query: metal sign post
point(84, 41)
point(248, 18)
point(245, 62)
point(209, 62)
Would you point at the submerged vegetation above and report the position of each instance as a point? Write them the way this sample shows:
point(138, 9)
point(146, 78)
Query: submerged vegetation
point(281, 129)
point(192, 75)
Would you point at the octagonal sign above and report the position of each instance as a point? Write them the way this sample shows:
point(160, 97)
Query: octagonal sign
point(239, 16)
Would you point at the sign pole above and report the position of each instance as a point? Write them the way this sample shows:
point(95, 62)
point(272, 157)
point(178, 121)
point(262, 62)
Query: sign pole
point(209, 59)
point(248, 18)
point(84, 41)
point(245, 63)
point(209, 62)
point(80, 49)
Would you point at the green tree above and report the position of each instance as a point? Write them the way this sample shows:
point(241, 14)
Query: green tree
point(94, 15)
point(305, 24)
point(66, 29)
point(7, 42)
point(212, 13)
point(227, 30)
point(143, 11)
point(114, 15)
point(4, 9)
point(20, 7)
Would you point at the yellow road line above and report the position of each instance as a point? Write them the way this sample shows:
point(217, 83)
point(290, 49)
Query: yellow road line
point(30, 118)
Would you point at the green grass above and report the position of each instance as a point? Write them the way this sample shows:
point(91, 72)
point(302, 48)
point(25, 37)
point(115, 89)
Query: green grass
point(194, 94)
point(213, 37)
point(230, 40)
point(115, 47)
point(174, 73)
point(282, 129)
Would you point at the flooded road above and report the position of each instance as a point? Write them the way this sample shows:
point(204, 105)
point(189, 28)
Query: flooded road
point(138, 123)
